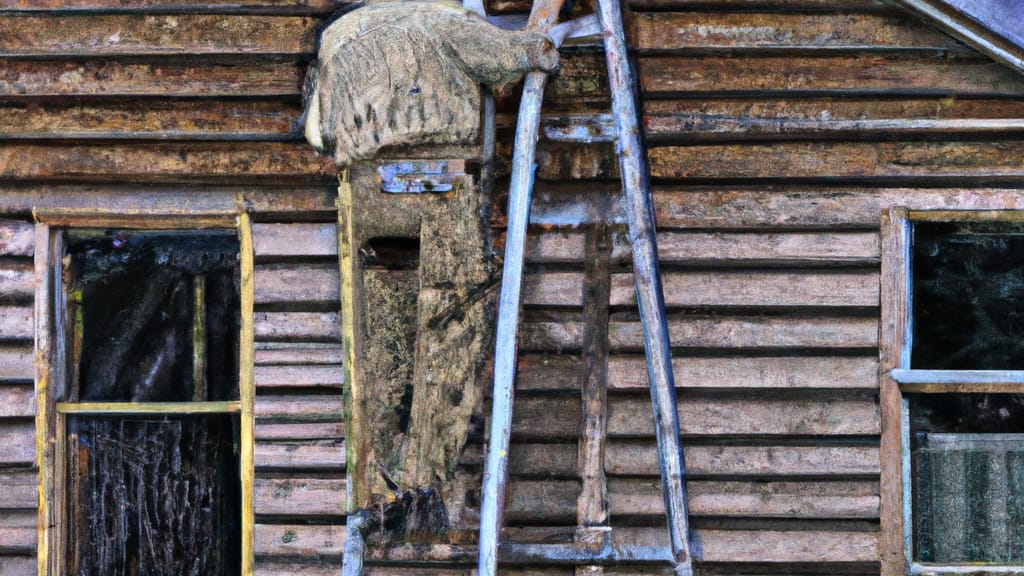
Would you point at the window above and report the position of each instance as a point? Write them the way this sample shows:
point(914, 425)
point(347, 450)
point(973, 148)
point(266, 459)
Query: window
point(145, 394)
point(953, 392)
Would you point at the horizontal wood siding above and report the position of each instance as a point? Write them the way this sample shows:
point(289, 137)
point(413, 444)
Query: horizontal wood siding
point(779, 132)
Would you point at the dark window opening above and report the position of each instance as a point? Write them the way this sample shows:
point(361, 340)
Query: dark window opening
point(153, 317)
point(967, 449)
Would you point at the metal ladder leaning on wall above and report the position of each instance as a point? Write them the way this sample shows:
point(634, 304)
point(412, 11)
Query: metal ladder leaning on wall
point(650, 298)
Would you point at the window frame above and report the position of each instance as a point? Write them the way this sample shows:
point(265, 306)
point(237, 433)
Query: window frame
point(50, 344)
point(897, 377)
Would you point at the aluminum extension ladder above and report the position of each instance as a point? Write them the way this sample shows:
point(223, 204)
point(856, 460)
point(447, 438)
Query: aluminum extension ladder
point(633, 167)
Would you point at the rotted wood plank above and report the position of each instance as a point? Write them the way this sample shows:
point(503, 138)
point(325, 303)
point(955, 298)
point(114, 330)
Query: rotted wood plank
point(755, 332)
point(274, 240)
point(296, 284)
point(706, 30)
point(171, 78)
point(300, 455)
point(844, 72)
point(315, 326)
point(842, 160)
point(757, 288)
point(17, 238)
point(16, 362)
point(119, 118)
point(16, 280)
point(299, 376)
point(809, 416)
point(21, 490)
point(769, 373)
point(314, 408)
point(638, 497)
point(640, 458)
point(822, 207)
point(18, 533)
point(192, 6)
point(300, 353)
point(154, 34)
point(299, 540)
point(18, 565)
point(293, 202)
point(207, 161)
point(17, 401)
point(706, 119)
point(15, 321)
point(299, 496)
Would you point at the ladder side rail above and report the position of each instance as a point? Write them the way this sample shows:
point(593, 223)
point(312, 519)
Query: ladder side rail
point(650, 296)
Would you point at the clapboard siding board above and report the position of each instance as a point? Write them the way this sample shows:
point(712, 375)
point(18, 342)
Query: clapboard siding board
point(18, 532)
point(164, 77)
point(298, 353)
point(108, 35)
point(16, 363)
point(663, 31)
point(723, 332)
point(322, 7)
point(17, 238)
point(184, 33)
point(542, 372)
point(630, 416)
point(640, 458)
point(307, 496)
point(296, 284)
point(703, 289)
point(206, 161)
point(19, 440)
point(15, 321)
point(941, 162)
point(638, 497)
point(18, 565)
point(21, 490)
point(170, 119)
point(299, 540)
point(17, 401)
point(264, 202)
point(300, 455)
point(297, 326)
point(16, 280)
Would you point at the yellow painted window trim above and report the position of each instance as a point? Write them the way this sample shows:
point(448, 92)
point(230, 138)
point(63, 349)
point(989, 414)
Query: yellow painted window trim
point(50, 415)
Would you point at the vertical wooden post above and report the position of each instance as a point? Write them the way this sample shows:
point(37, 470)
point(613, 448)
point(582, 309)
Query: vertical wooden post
point(356, 442)
point(247, 393)
point(199, 338)
point(895, 353)
point(592, 502)
point(44, 403)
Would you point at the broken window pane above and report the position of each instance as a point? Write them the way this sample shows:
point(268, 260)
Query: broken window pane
point(968, 283)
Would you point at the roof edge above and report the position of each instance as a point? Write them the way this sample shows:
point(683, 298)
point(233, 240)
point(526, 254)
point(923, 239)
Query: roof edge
point(979, 30)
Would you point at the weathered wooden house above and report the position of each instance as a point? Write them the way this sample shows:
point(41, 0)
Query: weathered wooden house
point(814, 164)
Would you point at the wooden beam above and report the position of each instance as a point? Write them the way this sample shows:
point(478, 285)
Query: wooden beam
point(299, 455)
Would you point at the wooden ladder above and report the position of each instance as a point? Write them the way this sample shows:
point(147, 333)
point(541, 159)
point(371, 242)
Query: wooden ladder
point(650, 298)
